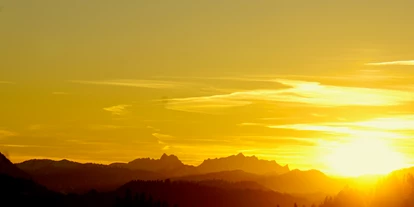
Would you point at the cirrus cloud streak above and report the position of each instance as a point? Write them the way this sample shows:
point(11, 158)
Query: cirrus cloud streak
point(302, 92)
point(398, 62)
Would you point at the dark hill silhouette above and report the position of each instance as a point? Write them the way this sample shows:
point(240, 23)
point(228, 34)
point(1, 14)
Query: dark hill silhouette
point(15, 191)
point(8, 168)
point(304, 182)
point(347, 197)
point(296, 182)
point(241, 162)
point(67, 176)
point(16, 188)
point(232, 176)
point(393, 190)
point(41, 164)
point(233, 185)
point(189, 194)
point(22, 192)
point(403, 172)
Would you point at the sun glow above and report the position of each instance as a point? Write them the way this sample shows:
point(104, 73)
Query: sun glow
point(363, 157)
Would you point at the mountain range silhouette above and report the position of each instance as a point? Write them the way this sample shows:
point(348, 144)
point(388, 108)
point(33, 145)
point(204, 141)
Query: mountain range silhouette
point(221, 182)
point(68, 176)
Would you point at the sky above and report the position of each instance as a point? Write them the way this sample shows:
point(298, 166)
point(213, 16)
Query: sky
point(109, 81)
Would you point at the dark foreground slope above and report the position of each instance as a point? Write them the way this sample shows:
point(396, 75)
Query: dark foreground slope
point(16, 191)
point(8, 168)
point(190, 194)
point(23, 192)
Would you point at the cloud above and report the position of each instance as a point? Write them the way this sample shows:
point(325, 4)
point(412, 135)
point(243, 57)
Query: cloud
point(156, 84)
point(206, 103)
point(396, 123)
point(387, 127)
point(6, 82)
point(163, 136)
point(399, 62)
point(251, 124)
point(153, 128)
point(118, 109)
point(302, 92)
point(5, 133)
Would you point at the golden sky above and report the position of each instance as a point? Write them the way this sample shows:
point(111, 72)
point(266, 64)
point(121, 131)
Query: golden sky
point(108, 81)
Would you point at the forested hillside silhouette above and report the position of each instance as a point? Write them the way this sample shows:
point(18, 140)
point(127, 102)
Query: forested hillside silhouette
point(16, 191)
point(22, 192)
point(395, 190)
point(188, 194)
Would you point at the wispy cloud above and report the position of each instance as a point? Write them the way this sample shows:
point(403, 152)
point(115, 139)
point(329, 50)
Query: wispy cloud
point(6, 133)
point(399, 62)
point(6, 82)
point(341, 129)
point(204, 104)
point(118, 109)
point(153, 128)
point(156, 84)
point(251, 124)
point(386, 127)
point(162, 136)
point(303, 92)
point(397, 123)
point(162, 140)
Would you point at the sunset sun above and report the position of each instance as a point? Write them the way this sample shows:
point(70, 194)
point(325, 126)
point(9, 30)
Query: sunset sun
point(365, 156)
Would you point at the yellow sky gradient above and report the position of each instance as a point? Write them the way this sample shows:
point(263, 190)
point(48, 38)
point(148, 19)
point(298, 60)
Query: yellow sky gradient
point(108, 81)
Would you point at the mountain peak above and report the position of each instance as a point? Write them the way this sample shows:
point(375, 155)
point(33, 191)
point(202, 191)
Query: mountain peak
point(165, 164)
point(241, 162)
point(240, 155)
point(164, 156)
point(169, 157)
